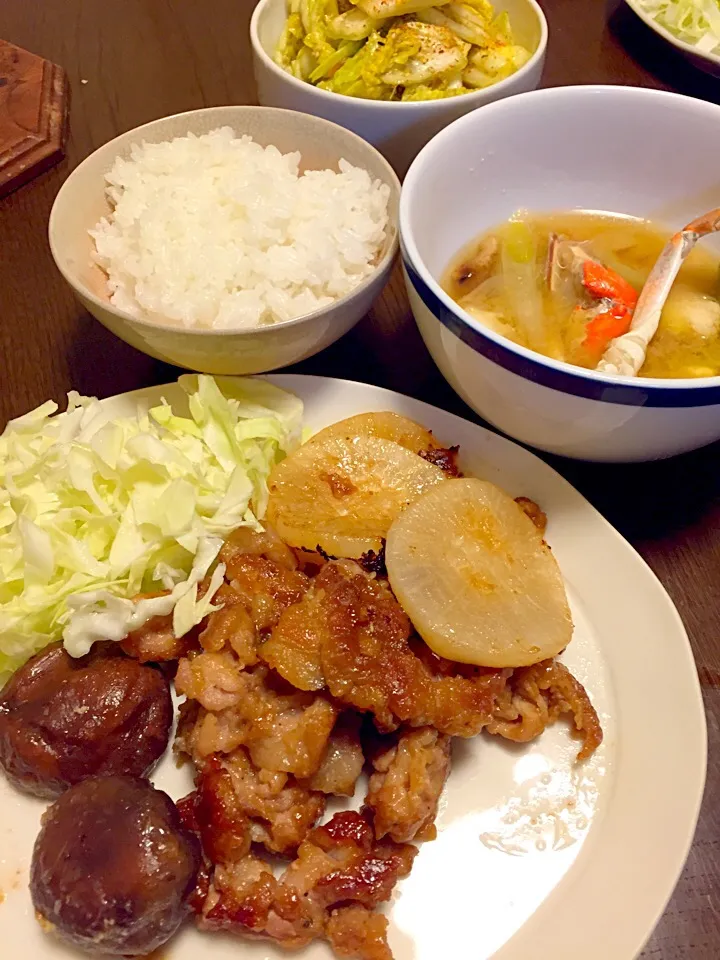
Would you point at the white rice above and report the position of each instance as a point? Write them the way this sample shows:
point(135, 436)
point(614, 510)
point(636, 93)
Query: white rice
point(217, 231)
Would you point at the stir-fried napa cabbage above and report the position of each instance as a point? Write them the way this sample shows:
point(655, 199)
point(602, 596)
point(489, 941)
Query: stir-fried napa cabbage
point(94, 511)
point(695, 21)
point(405, 50)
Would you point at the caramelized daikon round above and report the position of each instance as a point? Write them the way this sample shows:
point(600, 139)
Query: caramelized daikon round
point(477, 580)
point(384, 426)
point(342, 493)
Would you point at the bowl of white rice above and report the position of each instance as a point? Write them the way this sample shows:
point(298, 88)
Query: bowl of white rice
point(229, 240)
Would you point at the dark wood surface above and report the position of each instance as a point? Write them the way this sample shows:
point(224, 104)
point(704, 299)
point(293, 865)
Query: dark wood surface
point(130, 61)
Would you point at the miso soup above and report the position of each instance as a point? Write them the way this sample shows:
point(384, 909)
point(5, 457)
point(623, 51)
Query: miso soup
point(566, 284)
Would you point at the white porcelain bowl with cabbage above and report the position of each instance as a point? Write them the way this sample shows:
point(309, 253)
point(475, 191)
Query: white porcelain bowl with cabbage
point(353, 74)
point(692, 26)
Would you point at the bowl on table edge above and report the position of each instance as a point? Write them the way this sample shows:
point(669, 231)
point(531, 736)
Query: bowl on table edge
point(398, 130)
point(707, 61)
point(541, 152)
point(81, 202)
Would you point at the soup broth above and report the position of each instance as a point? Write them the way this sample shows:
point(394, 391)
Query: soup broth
point(539, 280)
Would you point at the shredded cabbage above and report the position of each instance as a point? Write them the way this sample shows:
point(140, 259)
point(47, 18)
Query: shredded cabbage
point(697, 22)
point(405, 50)
point(93, 512)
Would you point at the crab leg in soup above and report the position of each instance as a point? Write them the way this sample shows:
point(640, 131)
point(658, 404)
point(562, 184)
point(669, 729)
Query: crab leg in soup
point(567, 285)
point(626, 355)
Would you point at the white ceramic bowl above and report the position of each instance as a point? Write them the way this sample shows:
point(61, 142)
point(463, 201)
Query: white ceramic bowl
point(624, 149)
point(81, 202)
point(399, 130)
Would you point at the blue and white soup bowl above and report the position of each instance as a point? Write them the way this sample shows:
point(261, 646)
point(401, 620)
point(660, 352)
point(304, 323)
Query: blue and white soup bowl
point(644, 153)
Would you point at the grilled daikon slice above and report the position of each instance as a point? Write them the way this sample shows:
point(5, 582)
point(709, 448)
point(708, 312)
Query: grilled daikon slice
point(384, 426)
point(477, 580)
point(342, 493)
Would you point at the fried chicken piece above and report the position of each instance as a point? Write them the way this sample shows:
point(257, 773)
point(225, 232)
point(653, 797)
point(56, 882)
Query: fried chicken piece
point(198, 895)
point(285, 730)
point(187, 716)
point(213, 679)
point(295, 740)
point(339, 863)
point(445, 458)
point(404, 791)
point(536, 696)
point(353, 631)
point(339, 866)
point(342, 861)
point(344, 760)
point(155, 642)
point(350, 632)
point(266, 543)
point(264, 587)
point(221, 823)
point(293, 648)
point(458, 686)
point(232, 627)
point(263, 581)
point(234, 891)
point(201, 733)
point(533, 511)
point(232, 792)
point(355, 931)
point(239, 898)
point(326, 614)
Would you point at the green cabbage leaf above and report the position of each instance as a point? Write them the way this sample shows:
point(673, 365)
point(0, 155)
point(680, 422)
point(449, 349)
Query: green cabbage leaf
point(94, 511)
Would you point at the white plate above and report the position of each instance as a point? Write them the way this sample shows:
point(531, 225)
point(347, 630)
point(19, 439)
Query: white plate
point(534, 858)
point(709, 62)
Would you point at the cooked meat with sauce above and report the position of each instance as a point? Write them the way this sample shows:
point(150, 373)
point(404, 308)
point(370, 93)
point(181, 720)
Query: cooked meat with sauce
point(307, 669)
point(262, 579)
point(239, 900)
point(343, 761)
point(355, 931)
point(256, 543)
point(293, 648)
point(274, 724)
point(213, 679)
point(350, 633)
point(284, 729)
point(446, 459)
point(263, 572)
point(230, 627)
point(340, 874)
point(112, 867)
point(155, 641)
point(279, 812)
point(220, 819)
point(410, 770)
point(342, 862)
point(533, 511)
point(534, 699)
point(64, 719)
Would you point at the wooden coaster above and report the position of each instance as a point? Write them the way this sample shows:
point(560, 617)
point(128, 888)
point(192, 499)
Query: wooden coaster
point(33, 108)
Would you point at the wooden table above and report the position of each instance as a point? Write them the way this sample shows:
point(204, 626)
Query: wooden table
point(130, 61)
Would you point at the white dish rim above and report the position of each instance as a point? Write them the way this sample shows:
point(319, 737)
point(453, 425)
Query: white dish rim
point(682, 45)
